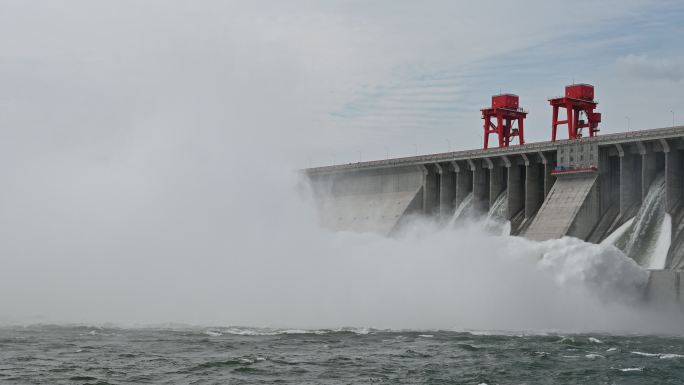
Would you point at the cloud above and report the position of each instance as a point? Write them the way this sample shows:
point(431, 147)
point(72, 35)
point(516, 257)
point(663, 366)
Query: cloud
point(651, 68)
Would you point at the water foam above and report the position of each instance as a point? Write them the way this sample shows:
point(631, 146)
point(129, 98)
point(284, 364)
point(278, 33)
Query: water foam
point(270, 265)
point(664, 356)
point(593, 356)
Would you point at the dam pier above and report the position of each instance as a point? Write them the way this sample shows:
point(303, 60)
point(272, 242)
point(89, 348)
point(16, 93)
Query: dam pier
point(582, 187)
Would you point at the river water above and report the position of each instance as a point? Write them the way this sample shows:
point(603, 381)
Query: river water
point(186, 355)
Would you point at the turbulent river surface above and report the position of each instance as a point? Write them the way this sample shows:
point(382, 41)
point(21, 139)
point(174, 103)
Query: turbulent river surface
point(89, 355)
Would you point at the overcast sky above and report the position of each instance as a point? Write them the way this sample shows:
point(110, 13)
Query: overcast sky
point(323, 80)
point(135, 130)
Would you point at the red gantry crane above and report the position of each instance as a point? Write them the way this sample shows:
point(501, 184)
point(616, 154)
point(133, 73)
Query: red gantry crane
point(506, 111)
point(579, 105)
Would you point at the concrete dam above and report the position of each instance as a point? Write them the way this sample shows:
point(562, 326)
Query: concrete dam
point(586, 188)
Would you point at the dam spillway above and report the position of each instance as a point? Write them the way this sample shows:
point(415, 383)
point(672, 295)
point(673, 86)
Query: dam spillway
point(585, 188)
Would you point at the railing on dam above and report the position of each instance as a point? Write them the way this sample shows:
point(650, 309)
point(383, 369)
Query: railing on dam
point(608, 139)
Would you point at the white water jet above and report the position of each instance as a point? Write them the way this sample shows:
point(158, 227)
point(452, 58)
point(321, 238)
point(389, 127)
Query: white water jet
point(646, 238)
point(496, 221)
point(662, 245)
point(615, 235)
point(464, 209)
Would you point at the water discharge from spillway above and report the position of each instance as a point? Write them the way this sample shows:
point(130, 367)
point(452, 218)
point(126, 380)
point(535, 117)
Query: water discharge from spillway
point(646, 237)
point(496, 221)
point(464, 209)
point(266, 262)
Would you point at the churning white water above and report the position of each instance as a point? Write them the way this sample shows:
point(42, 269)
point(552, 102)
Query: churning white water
point(272, 265)
point(646, 237)
point(568, 276)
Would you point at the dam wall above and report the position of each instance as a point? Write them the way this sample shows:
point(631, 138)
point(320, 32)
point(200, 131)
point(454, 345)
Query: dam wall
point(624, 165)
point(586, 188)
point(571, 208)
point(375, 200)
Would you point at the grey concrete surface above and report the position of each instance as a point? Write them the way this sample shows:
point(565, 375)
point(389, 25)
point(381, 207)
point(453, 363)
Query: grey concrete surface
point(497, 176)
point(431, 189)
point(673, 177)
point(534, 189)
point(558, 215)
point(516, 190)
point(369, 200)
point(630, 182)
point(480, 187)
point(648, 171)
point(464, 182)
point(447, 189)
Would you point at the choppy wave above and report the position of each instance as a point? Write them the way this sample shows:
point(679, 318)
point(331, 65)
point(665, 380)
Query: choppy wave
point(665, 356)
point(249, 331)
point(631, 369)
point(59, 354)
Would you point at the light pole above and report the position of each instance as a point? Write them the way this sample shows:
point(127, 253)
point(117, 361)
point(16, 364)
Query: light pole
point(627, 117)
point(415, 146)
point(386, 152)
point(672, 111)
point(448, 144)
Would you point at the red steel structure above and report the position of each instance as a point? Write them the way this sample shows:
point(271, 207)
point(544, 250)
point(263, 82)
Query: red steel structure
point(506, 111)
point(578, 101)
